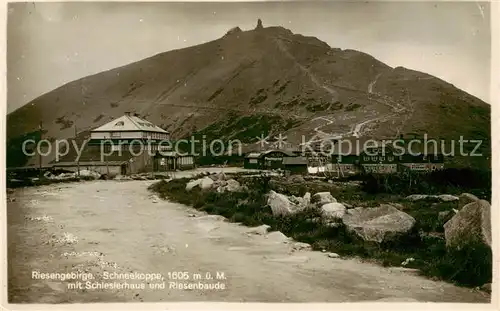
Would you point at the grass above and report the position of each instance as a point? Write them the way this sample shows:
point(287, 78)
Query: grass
point(467, 267)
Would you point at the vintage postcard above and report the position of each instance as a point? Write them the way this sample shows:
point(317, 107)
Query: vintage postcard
point(252, 152)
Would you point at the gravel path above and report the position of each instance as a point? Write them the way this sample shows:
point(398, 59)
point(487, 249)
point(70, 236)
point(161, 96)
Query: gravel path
point(99, 227)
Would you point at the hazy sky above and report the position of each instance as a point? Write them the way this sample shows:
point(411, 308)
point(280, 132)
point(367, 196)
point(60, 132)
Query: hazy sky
point(50, 44)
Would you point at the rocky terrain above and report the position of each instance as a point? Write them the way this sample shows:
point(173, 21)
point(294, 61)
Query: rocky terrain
point(446, 236)
point(118, 226)
point(265, 80)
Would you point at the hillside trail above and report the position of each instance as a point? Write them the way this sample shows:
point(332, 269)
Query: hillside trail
point(356, 129)
point(112, 226)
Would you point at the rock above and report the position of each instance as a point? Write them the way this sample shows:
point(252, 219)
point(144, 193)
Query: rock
point(301, 246)
point(379, 224)
point(333, 211)
point(444, 216)
point(193, 183)
point(232, 185)
point(206, 183)
point(213, 177)
point(322, 198)
point(307, 197)
point(280, 204)
point(347, 205)
point(277, 237)
point(333, 224)
point(447, 198)
point(407, 261)
point(470, 226)
point(233, 31)
point(260, 230)
point(486, 287)
point(296, 179)
point(399, 206)
point(441, 197)
point(333, 255)
point(466, 198)
point(416, 197)
point(88, 173)
point(221, 176)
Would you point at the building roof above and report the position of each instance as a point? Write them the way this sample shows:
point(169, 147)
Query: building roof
point(129, 123)
point(286, 152)
point(294, 161)
point(253, 155)
point(88, 163)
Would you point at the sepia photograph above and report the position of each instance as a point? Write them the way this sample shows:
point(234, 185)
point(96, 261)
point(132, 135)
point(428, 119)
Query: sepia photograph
point(248, 152)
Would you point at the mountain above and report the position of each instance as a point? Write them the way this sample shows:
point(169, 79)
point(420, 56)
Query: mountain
point(264, 80)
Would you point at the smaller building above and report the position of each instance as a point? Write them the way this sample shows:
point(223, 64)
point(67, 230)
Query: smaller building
point(252, 160)
point(267, 160)
point(295, 165)
point(172, 161)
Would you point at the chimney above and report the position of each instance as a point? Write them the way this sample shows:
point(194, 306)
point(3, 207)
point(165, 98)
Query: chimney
point(127, 113)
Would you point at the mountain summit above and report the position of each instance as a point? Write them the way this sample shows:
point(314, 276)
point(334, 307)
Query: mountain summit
point(262, 81)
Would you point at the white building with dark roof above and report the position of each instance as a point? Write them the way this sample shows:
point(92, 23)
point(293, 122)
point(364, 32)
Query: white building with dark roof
point(129, 127)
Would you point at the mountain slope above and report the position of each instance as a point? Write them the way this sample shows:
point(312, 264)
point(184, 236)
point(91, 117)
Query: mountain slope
point(266, 79)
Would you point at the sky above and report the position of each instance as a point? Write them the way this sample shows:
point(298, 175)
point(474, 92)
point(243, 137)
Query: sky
point(52, 43)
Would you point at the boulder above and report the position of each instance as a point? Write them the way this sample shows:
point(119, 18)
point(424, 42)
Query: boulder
point(470, 226)
point(417, 197)
point(466, 198)
point(214, 177)
point(444, 216)
point(441, 197)
point(277, 237)
point(192, 183)
point(307, 197)
point(280, 204)
point(333, 255)
point(296, 179)
point(333, 211)
point(221, 176)
point(232, 185)
point(206, 183)
point(233, 31)
point(301, 246)
point(260, 230)
point(447, 198)
point(379, 224)
point(322, 198)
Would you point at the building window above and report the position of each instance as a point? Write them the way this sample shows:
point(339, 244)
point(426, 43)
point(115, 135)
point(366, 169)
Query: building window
point(390, 158)
point(116, 134)
point(253, 161)
point(144, 134)
point(119, 123)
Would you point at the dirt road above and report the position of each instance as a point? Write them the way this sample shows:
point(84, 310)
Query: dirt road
point(95, 227)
